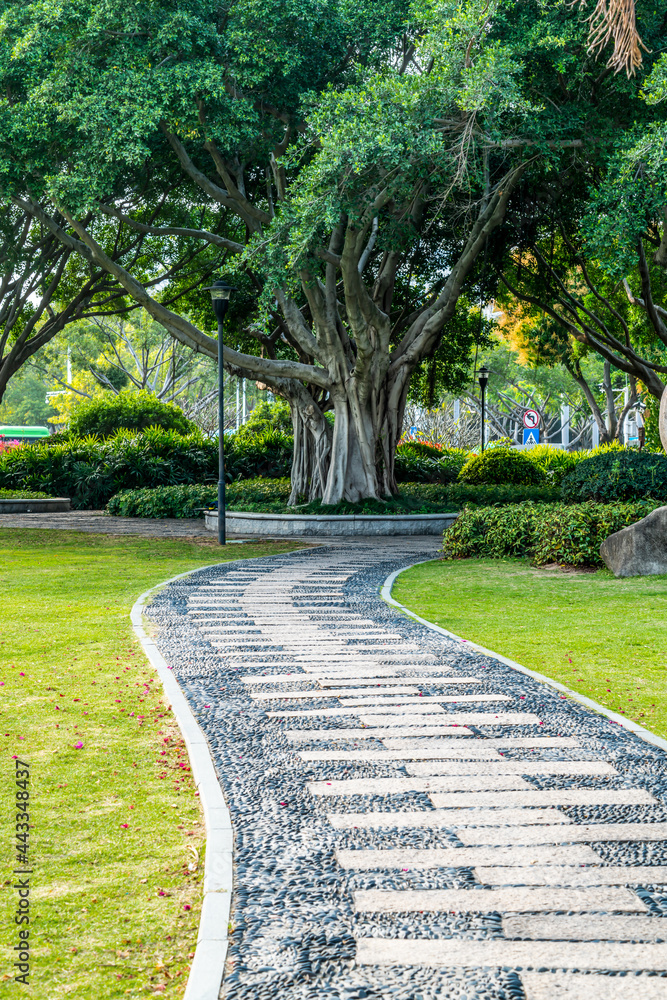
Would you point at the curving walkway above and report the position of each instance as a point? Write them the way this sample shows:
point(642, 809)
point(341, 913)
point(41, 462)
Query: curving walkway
point(412, 819)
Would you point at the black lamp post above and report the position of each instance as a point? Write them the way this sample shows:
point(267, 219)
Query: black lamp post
point(483, 378)
point(220, 293)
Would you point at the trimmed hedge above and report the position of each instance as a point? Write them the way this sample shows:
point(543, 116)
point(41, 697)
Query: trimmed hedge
point(23, 495)
point(424, 449)
point(187, 501)
point(562, 533)
point(556, 462)
point(458, 495)
point(259, 495)
point(502, 466)
point(271, 496)
point(463, 494)
point(617, 475)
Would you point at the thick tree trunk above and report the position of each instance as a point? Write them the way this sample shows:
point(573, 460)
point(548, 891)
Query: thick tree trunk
point(312, 449)
point(363, 449)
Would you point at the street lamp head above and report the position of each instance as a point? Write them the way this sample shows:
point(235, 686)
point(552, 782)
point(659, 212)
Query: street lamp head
point(220, 293)
point(220, 290)
point(483, 376)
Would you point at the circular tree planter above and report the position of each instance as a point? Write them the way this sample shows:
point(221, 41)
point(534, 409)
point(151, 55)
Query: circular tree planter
point(53, 505)
point(246, 523)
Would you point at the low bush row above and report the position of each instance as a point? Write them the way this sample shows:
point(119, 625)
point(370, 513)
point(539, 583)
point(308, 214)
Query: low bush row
point(23, 495)
point(621, 475)
point(271, 496)
point(188, 501)
point(560, 533)
point(91, 471)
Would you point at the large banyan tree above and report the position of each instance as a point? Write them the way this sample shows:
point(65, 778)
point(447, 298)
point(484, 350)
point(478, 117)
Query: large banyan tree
point(346, 165)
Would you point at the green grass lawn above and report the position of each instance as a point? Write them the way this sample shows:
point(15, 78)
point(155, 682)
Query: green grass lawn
point(117, 835)
point(602, 637)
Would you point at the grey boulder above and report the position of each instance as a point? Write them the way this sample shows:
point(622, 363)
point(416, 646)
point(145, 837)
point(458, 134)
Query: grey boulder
point(640, 549)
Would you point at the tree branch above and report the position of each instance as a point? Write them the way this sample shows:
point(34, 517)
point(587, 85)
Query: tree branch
point(200, 234)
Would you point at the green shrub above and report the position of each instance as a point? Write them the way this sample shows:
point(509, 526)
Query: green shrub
point(455, 496)
point(419, 463)
point(163, 501)
point(91, 471)
point(502, 465)
point(271, 495)
point(268, 454)
point(419, 448)
point(555, 462)
point(134, 411)
point(268, 416)
point(258, 491)
point(562, 533)
point(23, 495)
point(617, 475)
point(262, 495)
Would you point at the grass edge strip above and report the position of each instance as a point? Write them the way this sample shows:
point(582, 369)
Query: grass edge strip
point(633, 727)
point(208, 964)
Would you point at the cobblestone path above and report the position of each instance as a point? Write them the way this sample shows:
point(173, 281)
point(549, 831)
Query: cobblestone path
point(412, 819)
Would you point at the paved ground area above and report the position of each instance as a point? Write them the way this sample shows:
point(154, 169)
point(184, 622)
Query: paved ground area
point(412, 820)
point(97, 521)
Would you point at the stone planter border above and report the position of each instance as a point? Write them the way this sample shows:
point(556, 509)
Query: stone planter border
point(323, 525)
point(53, 505)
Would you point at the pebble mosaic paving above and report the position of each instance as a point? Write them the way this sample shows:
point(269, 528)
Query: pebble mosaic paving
point(412, 819)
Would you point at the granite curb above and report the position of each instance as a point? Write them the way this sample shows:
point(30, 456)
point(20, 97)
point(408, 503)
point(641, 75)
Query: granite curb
point(621, 720)
point(332, 525)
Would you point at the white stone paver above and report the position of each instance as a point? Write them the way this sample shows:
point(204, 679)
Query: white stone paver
point(547, 797)
point(559, 875)
point(334, 693)
point(521, 899)
point(521, 954)
point(396, 755)
point(371, 733)
point(502, 742)
point(350, 679)
point(503, 766)
point(466, 857)
point(592, 927)
point(396, 786)
point(564, 986)
point(593, 832)
point(454, 819)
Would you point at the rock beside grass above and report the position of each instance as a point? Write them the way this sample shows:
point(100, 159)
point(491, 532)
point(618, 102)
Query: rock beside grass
point(640, 549)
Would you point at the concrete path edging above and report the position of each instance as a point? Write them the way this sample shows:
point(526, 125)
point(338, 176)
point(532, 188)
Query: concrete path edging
point(208, 965)
point(621, 720)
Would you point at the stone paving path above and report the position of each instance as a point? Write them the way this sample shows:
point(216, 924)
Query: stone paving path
point(412, 819)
